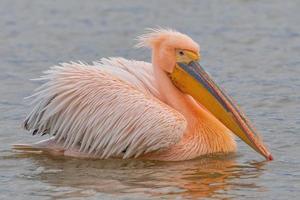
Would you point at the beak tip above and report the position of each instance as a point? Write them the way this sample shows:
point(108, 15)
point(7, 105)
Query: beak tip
point(270, 157)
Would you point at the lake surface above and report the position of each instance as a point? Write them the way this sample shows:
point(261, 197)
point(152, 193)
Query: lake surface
point(251, 48)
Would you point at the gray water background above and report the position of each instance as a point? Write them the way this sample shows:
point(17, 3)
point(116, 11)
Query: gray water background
point(250, 47)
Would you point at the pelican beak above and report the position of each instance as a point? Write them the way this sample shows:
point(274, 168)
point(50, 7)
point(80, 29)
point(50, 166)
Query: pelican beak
point(193, 80)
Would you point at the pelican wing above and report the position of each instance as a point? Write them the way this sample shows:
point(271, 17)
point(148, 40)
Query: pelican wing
point(139, 74)
point(106, 110)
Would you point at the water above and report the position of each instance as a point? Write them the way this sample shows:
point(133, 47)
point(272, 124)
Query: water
point(251, 48)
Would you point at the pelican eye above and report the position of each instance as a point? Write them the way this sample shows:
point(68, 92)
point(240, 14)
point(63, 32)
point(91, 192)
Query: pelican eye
point(181, 53)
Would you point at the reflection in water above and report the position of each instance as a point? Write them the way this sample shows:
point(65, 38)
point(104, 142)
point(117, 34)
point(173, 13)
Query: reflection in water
point(205, 177)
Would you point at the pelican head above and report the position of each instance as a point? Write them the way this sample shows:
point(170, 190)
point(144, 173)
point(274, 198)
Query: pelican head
point(178, 56)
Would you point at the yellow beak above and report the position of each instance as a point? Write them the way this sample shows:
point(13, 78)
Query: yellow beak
point(192, 79)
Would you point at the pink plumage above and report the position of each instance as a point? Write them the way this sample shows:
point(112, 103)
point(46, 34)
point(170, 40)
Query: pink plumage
point(118, 108)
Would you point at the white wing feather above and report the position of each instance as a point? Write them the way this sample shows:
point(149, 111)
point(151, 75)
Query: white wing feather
point(109, 109)
point(136, 73)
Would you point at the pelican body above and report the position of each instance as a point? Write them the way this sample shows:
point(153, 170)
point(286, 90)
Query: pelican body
point(167, 110)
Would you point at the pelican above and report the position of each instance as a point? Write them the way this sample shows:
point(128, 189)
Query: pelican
point(168, 110)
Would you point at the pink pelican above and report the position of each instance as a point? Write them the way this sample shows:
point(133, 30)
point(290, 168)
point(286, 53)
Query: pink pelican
point(169, 110)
